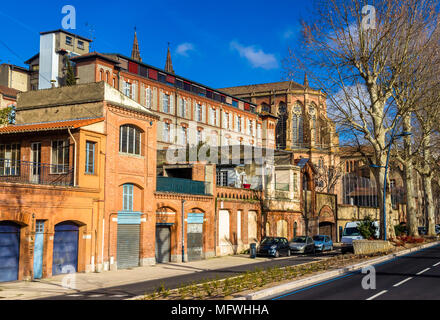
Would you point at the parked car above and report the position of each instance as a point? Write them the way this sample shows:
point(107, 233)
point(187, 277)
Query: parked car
point(422, 231)
point(302, 244)
point(437, 228)
point(350, 233)
point(274, 247)
point(323, 243)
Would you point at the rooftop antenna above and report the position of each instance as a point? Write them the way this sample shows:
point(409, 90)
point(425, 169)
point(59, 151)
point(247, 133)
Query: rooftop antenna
point(91, 34)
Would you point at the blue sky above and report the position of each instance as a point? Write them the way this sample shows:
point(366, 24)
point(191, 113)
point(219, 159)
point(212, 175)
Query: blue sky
point(217, 43)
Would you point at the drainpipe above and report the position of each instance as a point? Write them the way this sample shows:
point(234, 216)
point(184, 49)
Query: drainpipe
point(74, 158)
point(183, 230)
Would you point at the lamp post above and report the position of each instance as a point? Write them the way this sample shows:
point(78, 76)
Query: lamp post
point(183, 230)
point(393, 137)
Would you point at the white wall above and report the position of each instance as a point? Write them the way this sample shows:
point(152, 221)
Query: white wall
point(48, 62)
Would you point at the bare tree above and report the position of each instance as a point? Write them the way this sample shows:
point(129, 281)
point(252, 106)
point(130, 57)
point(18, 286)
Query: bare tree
point(327, 177)
point(357, 58)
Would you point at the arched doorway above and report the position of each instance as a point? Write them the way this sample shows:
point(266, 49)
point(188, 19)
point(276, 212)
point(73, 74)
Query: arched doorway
point(9, 251)
point(295, 229)
point(65, 248)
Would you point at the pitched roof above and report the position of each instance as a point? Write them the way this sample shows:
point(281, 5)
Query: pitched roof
point(95, 55)
point(9, 92)
point(264, 87)
point(49, 126)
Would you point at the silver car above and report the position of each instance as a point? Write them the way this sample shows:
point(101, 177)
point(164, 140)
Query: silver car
point(302, 244)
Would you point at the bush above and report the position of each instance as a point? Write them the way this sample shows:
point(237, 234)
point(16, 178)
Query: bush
point(367, 228)
point(400, 230)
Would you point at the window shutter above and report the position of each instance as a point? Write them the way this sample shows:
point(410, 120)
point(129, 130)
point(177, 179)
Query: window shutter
point(161, 101)
point(160, 132)
point(154, 106)
point(180, 106)
point(171, 103)
point(203, 113)
point(172, 134)
point(143, 96)
point(217, 117)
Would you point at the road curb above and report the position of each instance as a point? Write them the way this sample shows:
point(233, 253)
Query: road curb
point(328, 275)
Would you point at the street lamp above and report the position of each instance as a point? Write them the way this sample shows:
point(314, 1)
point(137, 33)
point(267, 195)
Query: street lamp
point(393, 137)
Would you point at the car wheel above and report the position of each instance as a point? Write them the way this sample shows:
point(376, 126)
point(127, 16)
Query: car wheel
point(277, 254)
point(288, 253)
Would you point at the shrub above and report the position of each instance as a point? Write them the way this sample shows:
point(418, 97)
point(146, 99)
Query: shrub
point(367, 228)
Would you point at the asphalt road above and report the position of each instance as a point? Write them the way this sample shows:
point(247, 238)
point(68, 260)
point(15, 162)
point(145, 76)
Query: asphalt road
point(411, 277)
point(139, 288)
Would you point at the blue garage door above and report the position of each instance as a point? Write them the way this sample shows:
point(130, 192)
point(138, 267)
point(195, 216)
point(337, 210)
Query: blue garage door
point(9, 251)
point(65, 248)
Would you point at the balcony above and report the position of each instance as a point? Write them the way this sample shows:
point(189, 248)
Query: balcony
point(16, 171)
point(185, 186)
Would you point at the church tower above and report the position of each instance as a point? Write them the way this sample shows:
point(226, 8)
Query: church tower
point(169, 63)
point(135, 54)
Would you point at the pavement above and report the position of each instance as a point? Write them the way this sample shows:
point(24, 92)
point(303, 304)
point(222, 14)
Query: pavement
point(414, 276)
point(125, 284)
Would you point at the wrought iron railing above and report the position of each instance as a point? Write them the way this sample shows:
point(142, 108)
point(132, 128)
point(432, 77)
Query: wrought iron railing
point(186, 186)
point(17, 171)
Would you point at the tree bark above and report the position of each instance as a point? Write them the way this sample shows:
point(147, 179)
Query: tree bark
point(408, 168)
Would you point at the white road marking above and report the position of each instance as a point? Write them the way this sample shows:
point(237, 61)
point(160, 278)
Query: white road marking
point(435, 265)
point(423, 271)
point(95, 295)
point(402, 282)
point(376, 295)
point(119, 295)
point(74, 295)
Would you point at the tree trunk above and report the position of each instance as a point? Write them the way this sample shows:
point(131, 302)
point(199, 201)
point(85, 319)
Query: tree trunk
point(411, 215)
point(427, 187)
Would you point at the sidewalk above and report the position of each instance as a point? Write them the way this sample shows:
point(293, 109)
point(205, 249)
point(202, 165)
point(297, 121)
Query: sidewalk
point(23, 290)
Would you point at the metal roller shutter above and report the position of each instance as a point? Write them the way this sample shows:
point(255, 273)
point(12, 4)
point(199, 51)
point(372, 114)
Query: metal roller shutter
point(128, 246)
point(9, 251)
point(195, 241)
point(163, 244)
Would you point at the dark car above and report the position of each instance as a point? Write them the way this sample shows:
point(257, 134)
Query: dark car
point(302, 244)
point(422, 231)
point(274, 247)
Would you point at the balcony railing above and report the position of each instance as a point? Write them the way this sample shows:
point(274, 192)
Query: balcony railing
point(186, 186)
point(17, 171)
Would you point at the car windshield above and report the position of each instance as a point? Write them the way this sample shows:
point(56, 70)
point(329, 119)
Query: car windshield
point(299, 239)
point(318, 238)
point(269, 241)
point(351, 232)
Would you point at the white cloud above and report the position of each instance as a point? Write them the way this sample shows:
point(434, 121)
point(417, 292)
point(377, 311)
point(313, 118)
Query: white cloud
point(256, 57)
point(184, 48)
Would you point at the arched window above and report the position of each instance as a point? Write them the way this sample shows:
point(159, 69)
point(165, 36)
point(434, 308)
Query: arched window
point(295, 229)
point(281, 126)
point(297, 126)
point(130, 139)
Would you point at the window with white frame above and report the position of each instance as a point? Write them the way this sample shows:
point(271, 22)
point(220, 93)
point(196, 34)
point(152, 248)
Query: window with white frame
point(60, 156)
point(127, 88)
point(199, 136)
point(127, 197)
point(199, 112)
point(166, 102)
point(183, 135)
point(9, 159)
point(183, 106)
point(130, 139)
point(258, 131)
point(212, 116)
point(238, 126)
point(222, 178)
point(166, 132)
